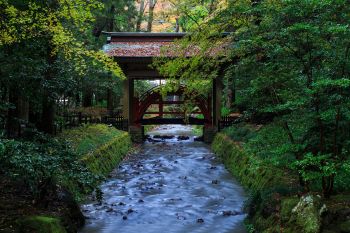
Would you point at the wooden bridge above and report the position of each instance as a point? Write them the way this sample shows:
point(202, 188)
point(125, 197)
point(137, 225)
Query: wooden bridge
point(134, 52)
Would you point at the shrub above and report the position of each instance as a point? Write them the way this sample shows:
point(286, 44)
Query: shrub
point(43, 164)
point(271, 144)
point(240, 132)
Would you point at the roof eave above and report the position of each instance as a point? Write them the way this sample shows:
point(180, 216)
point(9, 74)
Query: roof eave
point(145, 34)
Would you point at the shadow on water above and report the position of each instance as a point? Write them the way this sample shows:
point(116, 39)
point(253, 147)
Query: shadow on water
point(171, 185)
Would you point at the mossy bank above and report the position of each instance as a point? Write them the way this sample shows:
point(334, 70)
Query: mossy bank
point(276, 202)
point(100, 148)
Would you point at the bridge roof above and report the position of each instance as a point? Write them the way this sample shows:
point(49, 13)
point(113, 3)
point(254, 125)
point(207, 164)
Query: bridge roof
point(131, 45)
point(138, 44)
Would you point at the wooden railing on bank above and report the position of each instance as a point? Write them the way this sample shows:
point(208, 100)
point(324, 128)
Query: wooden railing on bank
point(68, 121)
point(227, 121)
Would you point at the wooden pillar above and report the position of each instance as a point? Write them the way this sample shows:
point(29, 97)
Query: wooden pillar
point(209, 131)
point(125, 99)
point(161, 107)
point(131, 101)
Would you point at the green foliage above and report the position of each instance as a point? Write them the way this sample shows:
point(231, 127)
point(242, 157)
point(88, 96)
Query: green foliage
point(48, 54)
point(225, 111)
point(290, 64)
point(116, 16)
point(44, 163)
point(271, 144)
point(315, 167)
point(141, 86)
point(49, 22)
point(240, 132)
point(77, 161)
point(192, 16)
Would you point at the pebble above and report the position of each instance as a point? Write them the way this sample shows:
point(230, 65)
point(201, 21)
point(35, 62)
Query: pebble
point(229, 213)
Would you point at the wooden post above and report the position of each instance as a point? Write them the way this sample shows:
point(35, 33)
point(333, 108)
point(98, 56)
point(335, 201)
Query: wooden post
point(161, 109)
point(131, 101)
point(125, 99)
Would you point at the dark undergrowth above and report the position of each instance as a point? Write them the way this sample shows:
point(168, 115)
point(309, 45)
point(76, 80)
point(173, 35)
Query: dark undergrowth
point(48, 176)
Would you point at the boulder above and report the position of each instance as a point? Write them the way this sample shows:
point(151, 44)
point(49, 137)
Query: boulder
point(306, 216)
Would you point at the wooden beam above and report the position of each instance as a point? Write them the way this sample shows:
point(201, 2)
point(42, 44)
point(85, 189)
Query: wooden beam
point(172, 121)
point(172, 113)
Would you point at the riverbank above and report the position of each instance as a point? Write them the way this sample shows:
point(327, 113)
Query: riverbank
point(97, 150)
point(277, 203)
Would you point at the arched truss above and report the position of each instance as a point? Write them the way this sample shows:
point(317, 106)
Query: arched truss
point(153, 96)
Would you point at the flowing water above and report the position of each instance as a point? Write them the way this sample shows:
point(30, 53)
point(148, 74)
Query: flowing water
point(168, 186)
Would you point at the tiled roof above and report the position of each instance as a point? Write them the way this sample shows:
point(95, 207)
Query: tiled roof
point(136, 44)
point(135, 48)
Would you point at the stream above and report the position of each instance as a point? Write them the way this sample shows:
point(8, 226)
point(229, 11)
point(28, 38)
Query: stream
point(168, 185)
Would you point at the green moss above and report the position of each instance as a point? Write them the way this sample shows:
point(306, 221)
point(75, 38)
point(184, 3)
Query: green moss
point(105, 158)
point(306, 215)
point(101, 147)
point(248, 169)
point(269, 224)
point(40, 224)
point(287, 204)
point(88, 138)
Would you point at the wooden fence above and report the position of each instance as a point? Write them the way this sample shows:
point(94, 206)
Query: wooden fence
point(68, 121)
point(227, 121)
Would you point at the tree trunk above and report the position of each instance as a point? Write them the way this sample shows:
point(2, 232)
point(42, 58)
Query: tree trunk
point(212, 6)
point(48, 102)
point(110, 19)
point(23, 109)
point(110, 100)
point(231, 95)
point(12, 123)
point(48, 115)
point(87, 98)
point(327, 186)
point(77, 99)
point(177, 26)
point(152, 4)
point(140, 15)
point(11, 94)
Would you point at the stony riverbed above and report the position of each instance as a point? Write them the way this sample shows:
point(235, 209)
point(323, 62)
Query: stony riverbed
point(172, 184)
